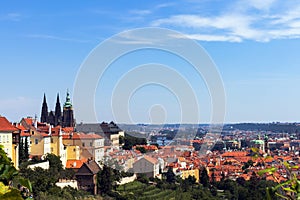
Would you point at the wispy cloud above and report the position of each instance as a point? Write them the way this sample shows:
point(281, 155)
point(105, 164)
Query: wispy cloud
point(140, 12)
point(265, 4)
point(242, 23)
point(209, 38)
point(52, 37)
point(11, 16)
point(164, 5)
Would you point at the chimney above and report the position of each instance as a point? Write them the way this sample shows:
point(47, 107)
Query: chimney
point(50, 129)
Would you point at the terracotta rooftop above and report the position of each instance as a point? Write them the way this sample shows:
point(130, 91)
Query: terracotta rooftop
point(234, 154)
point(68, 129)
point(150, 159)
point(79, 136)
point(5, 125)
point(24, 131)
point(75, 164)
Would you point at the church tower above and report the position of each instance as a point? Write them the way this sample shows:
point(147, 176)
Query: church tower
point(58, 117)
point(68, 116)
point(44, 113)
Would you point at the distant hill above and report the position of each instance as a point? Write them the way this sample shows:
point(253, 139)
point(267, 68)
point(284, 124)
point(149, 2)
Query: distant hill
point(274, 127)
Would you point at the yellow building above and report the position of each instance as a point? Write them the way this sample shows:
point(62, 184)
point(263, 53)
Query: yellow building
point(91, 145)
point(56, 146)
point(73, 152)
point(191, 172)
point(9, 138)
point(40, 138)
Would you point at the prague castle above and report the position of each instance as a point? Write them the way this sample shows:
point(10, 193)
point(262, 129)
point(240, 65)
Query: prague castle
point(57, 117)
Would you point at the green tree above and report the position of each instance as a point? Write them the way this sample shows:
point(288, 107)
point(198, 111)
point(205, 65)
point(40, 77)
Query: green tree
point(170, 176)
point(204, 179)
point(121, 139)
point(141, 149)
point(8, 174)
point(21, 151)
point(26, 149)
point(106, 179)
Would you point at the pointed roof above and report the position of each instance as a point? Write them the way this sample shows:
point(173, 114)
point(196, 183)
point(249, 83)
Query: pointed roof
point(44, 101)
point(89, 168)
point(68, 100)
point(57, 98)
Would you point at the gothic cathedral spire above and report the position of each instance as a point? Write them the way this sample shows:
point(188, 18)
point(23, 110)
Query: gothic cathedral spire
point(44, 113)
point(57, 112)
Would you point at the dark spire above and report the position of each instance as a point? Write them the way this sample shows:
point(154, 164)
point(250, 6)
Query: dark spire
point(44, 113)
point(57, 111)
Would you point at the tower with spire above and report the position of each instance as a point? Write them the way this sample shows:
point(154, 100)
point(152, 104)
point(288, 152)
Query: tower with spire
point(44, 113)
point(58, 117)
point(68, 114)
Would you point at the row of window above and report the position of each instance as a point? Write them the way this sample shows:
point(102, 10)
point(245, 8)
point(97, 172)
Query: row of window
point(4, 138)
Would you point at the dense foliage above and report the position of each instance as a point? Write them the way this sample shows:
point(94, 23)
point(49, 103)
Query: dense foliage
point(12, 185)
point(23, 151)
point(172, 187)
point(132, 139)
point(43, 180)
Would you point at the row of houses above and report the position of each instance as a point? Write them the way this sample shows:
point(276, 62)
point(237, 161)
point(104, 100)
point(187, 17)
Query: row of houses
point(70, 145)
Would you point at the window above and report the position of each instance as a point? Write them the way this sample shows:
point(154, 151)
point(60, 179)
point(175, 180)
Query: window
point(51, 140)
point(7, 139)
point(0, 138)
point(36, 141)
point(51, 149)
point(91, 144)
point(83, 144)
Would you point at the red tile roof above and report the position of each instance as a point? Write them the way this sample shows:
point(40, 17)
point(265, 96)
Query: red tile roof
point(68, 129)
point(5, 125)
point(28, 121)
point(80, 136)
point(75, 164)
point(234, 154)
point(24, 131)
point(55, 131)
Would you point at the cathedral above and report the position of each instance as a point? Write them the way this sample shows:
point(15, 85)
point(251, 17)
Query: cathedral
point(64, 119)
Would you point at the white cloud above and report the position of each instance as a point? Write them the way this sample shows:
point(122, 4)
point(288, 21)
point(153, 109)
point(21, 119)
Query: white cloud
point(261, 4)
point(164, 5)
point(235, 26)
point(240, 24)
point(209, 38)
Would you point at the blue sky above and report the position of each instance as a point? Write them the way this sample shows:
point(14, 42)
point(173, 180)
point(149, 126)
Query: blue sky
point(255, 45)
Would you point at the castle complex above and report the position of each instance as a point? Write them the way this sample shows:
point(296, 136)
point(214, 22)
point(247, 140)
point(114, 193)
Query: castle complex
point(57, 117)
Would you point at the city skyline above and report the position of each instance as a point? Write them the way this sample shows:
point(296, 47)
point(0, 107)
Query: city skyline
point(254, 45)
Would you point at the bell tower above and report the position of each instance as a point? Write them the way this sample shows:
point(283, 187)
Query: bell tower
point(68, 115)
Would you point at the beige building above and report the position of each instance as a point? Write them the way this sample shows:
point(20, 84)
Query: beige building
point(91, 145)
point(9, 139)
point(146, 165)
